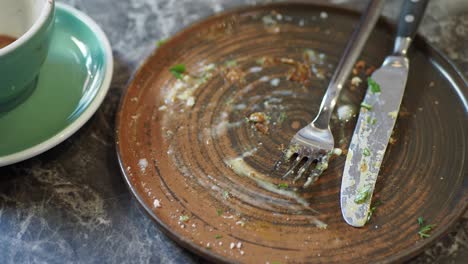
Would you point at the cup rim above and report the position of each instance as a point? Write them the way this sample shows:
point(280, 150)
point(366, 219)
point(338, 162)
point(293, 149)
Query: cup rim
point(38, 24)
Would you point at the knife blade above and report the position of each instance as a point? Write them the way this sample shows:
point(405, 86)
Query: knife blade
point(379, 111)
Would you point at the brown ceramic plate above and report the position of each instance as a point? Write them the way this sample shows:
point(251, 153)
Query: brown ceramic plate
point(203, 172)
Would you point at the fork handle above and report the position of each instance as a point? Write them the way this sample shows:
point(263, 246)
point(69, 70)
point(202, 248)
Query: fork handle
point(346, 64)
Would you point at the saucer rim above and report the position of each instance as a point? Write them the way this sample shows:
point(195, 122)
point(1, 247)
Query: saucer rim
point(70, 129)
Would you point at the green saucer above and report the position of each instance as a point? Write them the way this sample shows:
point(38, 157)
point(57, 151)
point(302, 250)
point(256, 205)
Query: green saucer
point(72, 84)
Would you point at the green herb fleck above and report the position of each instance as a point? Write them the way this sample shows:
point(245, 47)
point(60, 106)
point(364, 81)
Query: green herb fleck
point(184, 218)
point(260, 61)
point(372, 210)
point(219, 212)
point(393, 114)
point(366, 106)
point(420, 221)
point(282, 117)
point(283, 186)
point(228, 101)
point(218, 236)
point(366, 152)
point(424, 230)
point(225, 195)
point(161, 42)
point(230, 63)
point(373, 85)
point(362, 196)
point(178, 70)
point(371, 121)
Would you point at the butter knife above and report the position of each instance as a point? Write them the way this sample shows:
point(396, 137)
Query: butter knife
point(377, 117)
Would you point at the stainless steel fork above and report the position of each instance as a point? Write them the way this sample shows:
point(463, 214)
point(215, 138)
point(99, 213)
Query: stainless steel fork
point(314, 142)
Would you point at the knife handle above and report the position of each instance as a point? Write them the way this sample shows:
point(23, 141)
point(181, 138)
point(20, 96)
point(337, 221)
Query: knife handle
point(410, 17)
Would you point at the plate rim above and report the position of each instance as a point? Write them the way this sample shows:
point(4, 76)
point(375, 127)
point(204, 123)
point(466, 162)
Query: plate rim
point(70, 129)
point(420, 41)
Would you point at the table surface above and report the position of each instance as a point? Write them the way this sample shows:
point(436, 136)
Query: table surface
point(71, 205)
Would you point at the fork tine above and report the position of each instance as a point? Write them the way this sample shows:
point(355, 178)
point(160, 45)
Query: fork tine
point(303, 169)
point(312, 178)
point(322, 165)
point(294, 165)
point(314, 175)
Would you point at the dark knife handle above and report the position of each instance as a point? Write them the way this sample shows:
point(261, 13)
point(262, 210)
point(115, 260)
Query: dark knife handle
point(411, 15)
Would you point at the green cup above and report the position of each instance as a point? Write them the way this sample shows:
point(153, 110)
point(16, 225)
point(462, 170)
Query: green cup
point(29, 24)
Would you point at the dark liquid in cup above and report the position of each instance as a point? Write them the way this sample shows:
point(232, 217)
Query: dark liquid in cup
point(6, 40)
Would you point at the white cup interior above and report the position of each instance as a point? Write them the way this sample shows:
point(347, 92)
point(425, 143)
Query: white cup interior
point(18, 16)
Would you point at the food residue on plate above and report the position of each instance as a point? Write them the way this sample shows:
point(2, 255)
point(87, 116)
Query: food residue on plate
point(184, 88)
point(323, 15)
point(242, 109)
point(184, 218)
point(275, 82)
point(242, 168)
point(271, 22)
point(356, 81)
point(143, 164)
point(299, 73)
point(187, 84)
point(222, 125)
point(337, 151)
point(156, 203)
point(260, 121)
point(346, 112)
point(232, 72)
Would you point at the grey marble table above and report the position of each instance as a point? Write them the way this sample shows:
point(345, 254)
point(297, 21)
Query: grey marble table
point(70, 205)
